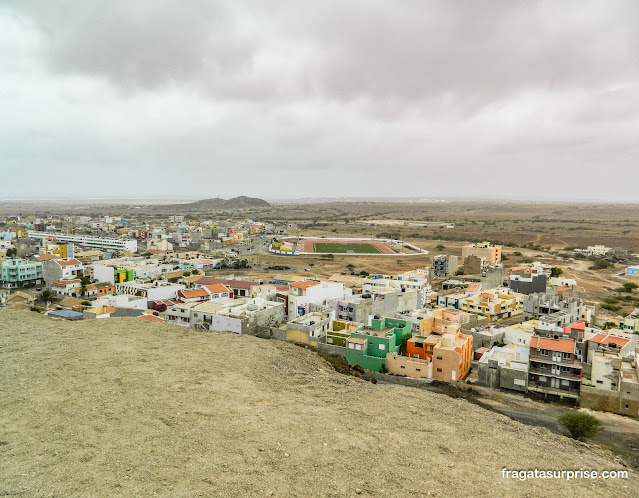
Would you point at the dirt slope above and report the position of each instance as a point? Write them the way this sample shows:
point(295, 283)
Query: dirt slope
point(121, 407)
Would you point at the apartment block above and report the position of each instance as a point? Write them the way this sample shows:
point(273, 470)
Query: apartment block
point(62, 269)
point(368, 305)
point(61, 251)
point(555, 362)
point(560, 311)
point(443, 357)
point(534, 283)
point(368, 346)
point(410, 281)
point(483, 250)
point(306, 292)
point(445, 265)
point(106, 243)
point(495, 305)
point(16, 272)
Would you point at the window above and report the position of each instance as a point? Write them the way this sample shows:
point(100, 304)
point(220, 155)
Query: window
point(381, 346)
point(544, 352)
point(439, 370)
point(440, 358)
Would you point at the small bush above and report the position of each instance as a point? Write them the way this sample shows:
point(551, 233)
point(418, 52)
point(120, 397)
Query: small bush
point(580, 426)
point(599, 264)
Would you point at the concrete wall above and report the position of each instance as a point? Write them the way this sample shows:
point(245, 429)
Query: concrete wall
point(329, 348)
point(536, 283)
point(300, 337)
point(598, 399)
point(514, 379)
point(488, 374)
point(223, 323)
point(410, 367)
point(485, 338)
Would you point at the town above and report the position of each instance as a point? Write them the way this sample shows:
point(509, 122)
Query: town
point(464, 318)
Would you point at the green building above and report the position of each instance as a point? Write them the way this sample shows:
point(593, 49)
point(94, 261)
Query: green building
point(340, 331)
point(368, 346)
point(16, 272)
point(123, 275)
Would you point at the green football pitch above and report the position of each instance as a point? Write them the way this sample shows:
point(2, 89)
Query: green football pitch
point(326, 247)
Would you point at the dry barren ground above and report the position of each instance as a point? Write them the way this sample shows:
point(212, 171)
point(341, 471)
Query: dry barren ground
point(121, 407)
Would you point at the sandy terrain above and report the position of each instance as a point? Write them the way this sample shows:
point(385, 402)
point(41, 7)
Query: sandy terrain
point(125, 408)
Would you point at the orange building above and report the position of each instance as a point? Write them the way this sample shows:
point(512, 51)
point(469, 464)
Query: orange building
point(483, 250)
point(449, 353)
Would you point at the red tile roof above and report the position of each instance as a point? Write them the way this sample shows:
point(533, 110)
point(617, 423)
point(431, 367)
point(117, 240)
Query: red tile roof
point(563, 345)
point(576, 326)
point(188, 294)
point(70, 262)
point(151, 318)
point(217, 288)
point(607, 339)
point(304, 284)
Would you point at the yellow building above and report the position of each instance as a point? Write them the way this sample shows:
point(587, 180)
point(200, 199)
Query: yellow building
point(54, 248)
point(496, 305)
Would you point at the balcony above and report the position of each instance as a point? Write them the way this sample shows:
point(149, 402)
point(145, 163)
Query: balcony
point(548, 360)
point(549, 373)
point(568, 391)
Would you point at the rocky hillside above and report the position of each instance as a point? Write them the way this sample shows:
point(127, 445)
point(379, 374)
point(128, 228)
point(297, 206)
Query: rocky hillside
point(241, 202)
point(122, 407)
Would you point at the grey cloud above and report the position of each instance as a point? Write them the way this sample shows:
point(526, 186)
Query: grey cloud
point(411, 51)
point(339, 94)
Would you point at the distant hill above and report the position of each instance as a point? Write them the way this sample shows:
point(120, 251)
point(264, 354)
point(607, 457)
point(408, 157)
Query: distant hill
point(241, 202)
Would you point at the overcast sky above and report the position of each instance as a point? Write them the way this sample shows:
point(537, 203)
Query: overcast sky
point(293, 98)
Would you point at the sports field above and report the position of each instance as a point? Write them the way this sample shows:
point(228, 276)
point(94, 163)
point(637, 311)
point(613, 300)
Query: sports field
point(346, 247)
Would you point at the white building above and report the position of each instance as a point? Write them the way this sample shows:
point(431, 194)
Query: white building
point(121, 301)
point(109, 244)
point(239, 316)
point(152, 292)
point(520, 333)
point(306, 292)
point(61, 269)
point(417, 281)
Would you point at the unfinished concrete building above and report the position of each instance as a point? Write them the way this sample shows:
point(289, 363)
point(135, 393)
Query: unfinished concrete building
point(555, 310)
point(445, 265)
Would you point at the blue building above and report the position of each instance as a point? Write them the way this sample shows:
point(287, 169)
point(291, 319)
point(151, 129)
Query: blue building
point(632, 271)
